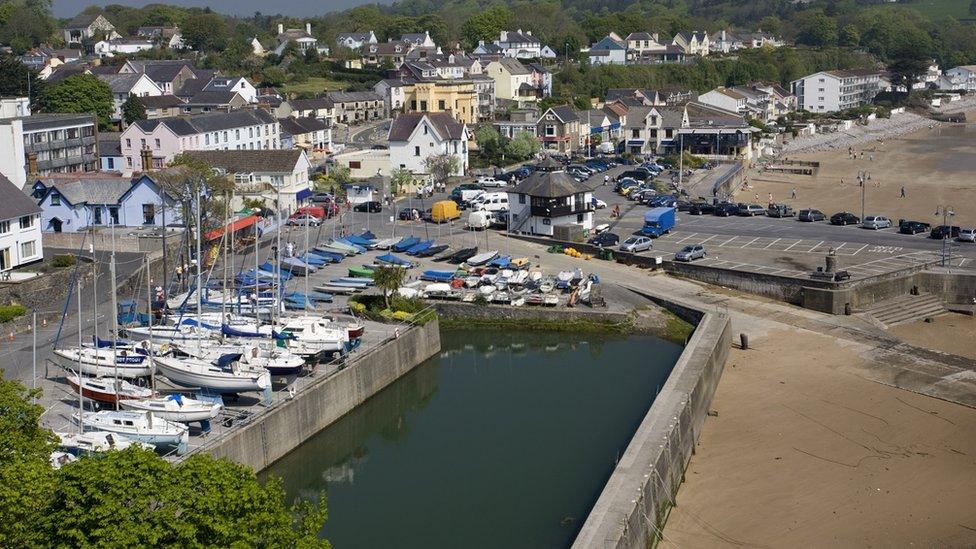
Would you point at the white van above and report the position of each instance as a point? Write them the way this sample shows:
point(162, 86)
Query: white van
point(480, 220)
point(470, 195)
point(493, 202)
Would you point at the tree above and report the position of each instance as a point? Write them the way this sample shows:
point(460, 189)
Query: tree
point(818, 30)
point(486, 24)
point(187, 176)
point(441, 166)
point(849, 36)
point(489, 141)
point(133, 110)
point(388, 279)
point(522, 147)
point(14, 78)
point(81, 93)
point(205, 32)
point(907, 65)
point(399, 180)
point(972, 7)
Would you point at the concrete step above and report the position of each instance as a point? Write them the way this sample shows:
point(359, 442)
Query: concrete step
point(906, 308)
point(910, 304)
point(911, 315)
point(901, 300)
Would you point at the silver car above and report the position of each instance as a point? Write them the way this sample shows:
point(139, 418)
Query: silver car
point(636, 244)
point(690, 253)
point(967, 235)
point(876, 222)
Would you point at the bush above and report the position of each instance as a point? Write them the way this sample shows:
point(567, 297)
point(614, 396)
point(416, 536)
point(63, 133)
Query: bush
point(10, 312)
point(63, 260)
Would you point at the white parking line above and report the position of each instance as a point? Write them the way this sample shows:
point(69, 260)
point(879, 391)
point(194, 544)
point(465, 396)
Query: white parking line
point(729, 240)
point(692, 235)
point(771, 243)
point(791, 245)
point(750, 242)
point(860, 249)
point(815, 247)
point(709, 238)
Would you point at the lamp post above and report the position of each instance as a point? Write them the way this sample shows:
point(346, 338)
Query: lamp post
point(947, 215)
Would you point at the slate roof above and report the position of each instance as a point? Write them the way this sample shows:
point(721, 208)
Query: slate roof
point(639, 36)
point(671, 117)
point(192, 87)
point(82, 21)
point(99, 189)
point(565, 113)
point(515, 37)
point(66, 71)
point(551, 185)
point(212, 98)
point(15, 203)
point(250, 161)
point(109, 144)
point(312, 103)
point(43, 121)
point(443, 123)
point(350, 97)
point(120, 83)
point(637, 116)
point(164, 70)
point(415, 37)
point(514, 66)
point(160, 101)
point(702, 115)
point(202, 123)
point(298, 126)
point(357, 36)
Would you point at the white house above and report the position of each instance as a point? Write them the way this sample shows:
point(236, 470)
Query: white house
point(237, 84)
point(611, 50)
point(124, 85)
point(122, 46)
point(276, 177)
point(724, 98)
point(831, 91)
point(419, 39)
point(355, 40)
point(693, 43)
point(301, 37)
point(415, 137)
point(962, 77)
point(20, 228)
point(548, 199)
point(724, 41)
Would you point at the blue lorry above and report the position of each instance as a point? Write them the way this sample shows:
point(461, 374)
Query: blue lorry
point(658, 221)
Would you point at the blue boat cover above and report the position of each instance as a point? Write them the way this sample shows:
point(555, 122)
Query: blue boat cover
point(420, 246)
point(367, 235)
point(501, 261)
point(226, 360)
point(234, 332)
point(331, 256)
point(405, 243)
point(438, 276)
point(347, 242)
point(269, 267)
point(194, 322)
point(393, 260)
point(360, 241)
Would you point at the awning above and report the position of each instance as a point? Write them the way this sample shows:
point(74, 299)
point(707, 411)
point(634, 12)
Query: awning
point(635, 142)
point(232, 227)
point(303, 194)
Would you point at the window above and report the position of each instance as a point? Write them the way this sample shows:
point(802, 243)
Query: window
point(113, 213)
point(423, 106)
point(425, 129)
point(128, 143)
point(110, 163)
point(55, 199)
point(237, 134)
point(148, 214)
point(440, 104)
point(26, 221)
point(28, 249)
point(225, 136)
point(416, 151)
point(546, 221)
point(142, 143)
point(157, 143)
point(4, 227)
point(128, 161)
point(98, 216)
point(521, 199)
point(579, 218)
point(355, 165)
point(206, 139)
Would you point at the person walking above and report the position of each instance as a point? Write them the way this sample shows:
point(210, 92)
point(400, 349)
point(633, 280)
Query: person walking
point(794, 193)
point(606, 180)
point(770, 198)
point(903, 195)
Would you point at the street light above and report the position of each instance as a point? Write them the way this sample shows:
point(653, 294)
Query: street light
point(947, 215)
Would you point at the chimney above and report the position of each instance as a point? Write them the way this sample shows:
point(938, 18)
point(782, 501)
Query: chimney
point(528, 33)
point(503, 36)
point(32, 164)
point(308, 28)
point(146, 154)
point(281, 28)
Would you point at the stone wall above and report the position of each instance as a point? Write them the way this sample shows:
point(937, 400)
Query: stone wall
point(452, 310)
point(283, 427)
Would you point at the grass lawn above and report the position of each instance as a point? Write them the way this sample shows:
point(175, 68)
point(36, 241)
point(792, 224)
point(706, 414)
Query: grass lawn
point(314, 84)
point(940, 9)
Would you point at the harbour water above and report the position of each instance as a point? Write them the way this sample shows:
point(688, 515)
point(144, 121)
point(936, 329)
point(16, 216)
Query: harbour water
point(504, 440)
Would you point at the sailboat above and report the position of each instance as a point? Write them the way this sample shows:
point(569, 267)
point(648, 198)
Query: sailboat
point(140, 427)
point(221, 376)
point(95, 441)
point(278, 361)
point(125, 362)
point(176, 407)
point(107, 390)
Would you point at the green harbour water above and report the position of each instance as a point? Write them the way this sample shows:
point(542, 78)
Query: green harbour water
point(504, 440)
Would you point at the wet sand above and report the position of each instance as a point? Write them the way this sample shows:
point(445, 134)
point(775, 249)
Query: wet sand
point(951, 333)
point(805, 453)
point(935, 166)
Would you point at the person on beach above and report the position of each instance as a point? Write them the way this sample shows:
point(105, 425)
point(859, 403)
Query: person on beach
point(842, 182)
point(770, 198)
point(757, 197)
point(903, 195)
point(794, 193)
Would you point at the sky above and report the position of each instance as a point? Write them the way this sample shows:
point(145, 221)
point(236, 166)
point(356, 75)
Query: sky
point(296, 8)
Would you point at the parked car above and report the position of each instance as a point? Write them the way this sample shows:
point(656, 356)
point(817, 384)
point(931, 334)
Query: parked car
point(844, 218)
point(604, 239)
point(302, 220)
point(405, 214)
point(726, 209)
point(700, 208)
point(684, 205)
point(370, 207)
point(751, 210)
point(625, 182)
point(487, 181)
point(811, 215)
point(876, 222)
point(780, 210)
point(690, 253)
point(967, 235)
point(907, 226)
point(598, 204)
point(639, 174)
point(944, 231)
point(322, 197)
point(636, 244)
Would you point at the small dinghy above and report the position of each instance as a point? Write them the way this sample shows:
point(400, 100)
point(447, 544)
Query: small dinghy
point(462, 255)
point(107, 390)
point(385, 244)
point(139, 426)
point(405, 244)
point(432, 251)
point(269, 267)
point(391, 259)
point(437, 276)
point(314, 260)
point(482, 258)
point(359, 249)
point(332, 289)
point(359, 240)
point(520, 263)
point(296, 266)
point(501, 261)
point(361, 272)
point(176, 407)
point(438, 290)
point(334, 256)
point(348, 284)
point(419, 247)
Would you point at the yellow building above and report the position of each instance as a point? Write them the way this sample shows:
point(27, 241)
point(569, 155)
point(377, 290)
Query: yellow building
point(455, 96)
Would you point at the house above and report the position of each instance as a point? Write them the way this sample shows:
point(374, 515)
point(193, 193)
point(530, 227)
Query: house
point(72, 203)
point(518, 121)
point(213, 101)
point(161, 106)
point(47, 143)
point(321, 108)
point(392, 53)
point(168, 37)
point(355, 40)
point(715, 133)
point(280, 178)
point(457, 98)
point(12, 107)
point(636, 131)
point(109, 149)
point(484, 88)
point(21, 241)
point(548, 199)
point(962, 77)
point(237, 84)
point(415, 137)
point(663, 124)
point(725, 98)
point(724, 41)
point(832, 91)
point(87, 27)
point(124, 85)
point(541, 79)
point(169, 75)
point(611, 50)
point(640, 43)
point(515, 81)
point(560, 130)
point(693, 43)
point(517, 45)
point(300, 37)
point(122, 46)
point(634, 96)
point(605, 125)
point(164, 138)
point(765, 102)
point(760, 39)
point(257, 48)
point(356, 107)
point(312, 135)
point(419, 39)
point(393, 92)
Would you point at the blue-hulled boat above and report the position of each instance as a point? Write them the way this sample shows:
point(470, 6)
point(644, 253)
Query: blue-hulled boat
point(333, 257)
point(269, 267)
point(296, 266)
point(419, 247)
point(437, 276)
point(391, 259)
point(501, 261)
point(313, 260)
point(359, 249)
point(405, 244)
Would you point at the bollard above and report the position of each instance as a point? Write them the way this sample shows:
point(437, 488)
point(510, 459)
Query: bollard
point(847, 309)
point(743, 341)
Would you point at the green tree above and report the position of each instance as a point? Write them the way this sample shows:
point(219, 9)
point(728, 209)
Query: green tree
point(205, 32)
point(188, 175)
point(132, 110)
point(817, 30)
point(441, 166)
point(849, 37)
point(908, 63)
point(486, 24)
point(489, 141)
point(522, 147)
point(14, 78)
point(82, 93)
point(400, 179)
point(389, 280)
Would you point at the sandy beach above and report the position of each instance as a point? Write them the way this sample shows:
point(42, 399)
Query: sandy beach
point(806, 453)
point(950, 333)
point(934, 165)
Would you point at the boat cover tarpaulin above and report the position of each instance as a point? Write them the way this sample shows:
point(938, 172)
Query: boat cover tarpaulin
point(232, 227)
point(393, 260)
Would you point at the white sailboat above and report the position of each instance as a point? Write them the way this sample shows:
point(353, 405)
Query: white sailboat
point(233, 377)
point(482, 258)
point(176, 407)
point(94, 441)
point(139, 426)
point(104, 361)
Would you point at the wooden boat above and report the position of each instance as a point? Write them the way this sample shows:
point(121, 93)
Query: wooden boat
point(139, 426)
point(233, 377)
point(176, 407)
point(482, 258)
point(107, 390)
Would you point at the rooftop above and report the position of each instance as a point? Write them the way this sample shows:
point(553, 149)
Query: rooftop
point(251, 161)
point(443, 123)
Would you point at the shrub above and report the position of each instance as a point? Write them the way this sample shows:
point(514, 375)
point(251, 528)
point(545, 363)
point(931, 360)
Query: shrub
point(63, 260)
point(10, 312)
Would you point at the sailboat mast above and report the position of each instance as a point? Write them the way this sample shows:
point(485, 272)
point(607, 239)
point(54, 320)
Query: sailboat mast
point(149, 300)
point(94, 287)
point(307, 227)
point(257, 318)
point(113, 321)
point(223, 285)
point(199, 269)
point(81, 402)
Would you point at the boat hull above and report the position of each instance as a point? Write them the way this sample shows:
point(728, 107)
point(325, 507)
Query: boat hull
point(102, 367)
point(217, 382)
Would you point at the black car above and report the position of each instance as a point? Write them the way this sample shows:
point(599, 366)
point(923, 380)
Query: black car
point(640, 174)
point(726, 209)
point(944, 231)
point(684, 205)
point(811, 215)
point(907, 226)
point(604, 239)
point(405, 214)
point(844, 218)
point(369, 207)
point(699, 208)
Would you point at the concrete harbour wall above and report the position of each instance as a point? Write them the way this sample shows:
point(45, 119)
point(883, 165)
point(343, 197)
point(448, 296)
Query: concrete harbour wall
point(288, 424)
point(635, 501)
